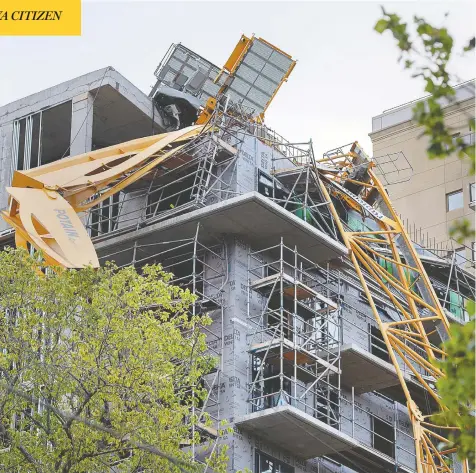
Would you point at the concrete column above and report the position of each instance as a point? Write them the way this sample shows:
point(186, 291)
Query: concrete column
point(131, 208)
point(81, 140)
point(6, 162)
point(82, 124)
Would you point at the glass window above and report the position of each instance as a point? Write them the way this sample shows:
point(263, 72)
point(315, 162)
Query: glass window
point(473, 251)
point(456, 305)
point(460, 256)
point(104, 217)
point(472, 196)
point(468, 139)
point(43, 137)
point(454, 200)
point(267, 464)
point(454, 138)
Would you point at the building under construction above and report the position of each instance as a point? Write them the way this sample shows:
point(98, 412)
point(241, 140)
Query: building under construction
point(325, 315)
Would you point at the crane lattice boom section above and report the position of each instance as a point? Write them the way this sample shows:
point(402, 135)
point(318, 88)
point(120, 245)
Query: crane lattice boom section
point(414, 340)
point(45, 201)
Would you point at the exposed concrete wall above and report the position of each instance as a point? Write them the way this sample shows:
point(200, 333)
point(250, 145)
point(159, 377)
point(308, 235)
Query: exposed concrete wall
point(6, 143)
point(254, 155)
point(82, 124)
point(75, 87)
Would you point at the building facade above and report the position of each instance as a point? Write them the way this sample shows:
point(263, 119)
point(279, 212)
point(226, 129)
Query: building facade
point(304, 376)
point(431, 195)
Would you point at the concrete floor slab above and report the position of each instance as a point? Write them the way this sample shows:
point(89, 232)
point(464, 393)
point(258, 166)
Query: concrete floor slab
point(379, 376)
point(306, 437)
point(251, 216)
point(295, 431)
point(364, 371)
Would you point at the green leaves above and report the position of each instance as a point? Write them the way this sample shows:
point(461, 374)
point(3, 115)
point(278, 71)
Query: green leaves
point(426, 55)
point(392, 22)
point(471, 45)
point(461, 230)
point(457, 388)
point(111, 346)
point(381, 25)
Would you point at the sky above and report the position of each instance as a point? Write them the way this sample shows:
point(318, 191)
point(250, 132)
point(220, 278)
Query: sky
point(346, 72)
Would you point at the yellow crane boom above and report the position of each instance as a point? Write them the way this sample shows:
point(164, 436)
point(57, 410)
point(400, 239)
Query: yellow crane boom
point(45, 201)
point(412, 341)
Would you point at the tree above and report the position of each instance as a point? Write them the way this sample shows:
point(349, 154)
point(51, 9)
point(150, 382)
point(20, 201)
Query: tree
point(98, 368)
point(426, 53)
point(457, 388)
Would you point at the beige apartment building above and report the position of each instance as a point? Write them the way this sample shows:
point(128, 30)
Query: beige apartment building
point(430, 195)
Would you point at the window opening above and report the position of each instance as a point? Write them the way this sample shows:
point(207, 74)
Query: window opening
point(267, 464)
point(454, 200)
point(383, 437)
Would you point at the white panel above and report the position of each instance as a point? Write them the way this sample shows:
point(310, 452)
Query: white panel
point(180, 54)
point(280, 60)
point(261, 49)
point(240, 86)
point(258, 97)
point(248, 74)
point(273, 73)
point(254, 61)
point(174, 64)
point(261, 68)
point(265, 85)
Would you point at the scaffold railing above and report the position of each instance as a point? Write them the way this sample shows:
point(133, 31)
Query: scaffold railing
point(196, 174)
point(295, 338)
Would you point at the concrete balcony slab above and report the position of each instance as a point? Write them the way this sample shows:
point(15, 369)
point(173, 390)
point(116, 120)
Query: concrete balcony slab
point(306, 437)
point(251, 216)
point(367, 372)
point(364, 371)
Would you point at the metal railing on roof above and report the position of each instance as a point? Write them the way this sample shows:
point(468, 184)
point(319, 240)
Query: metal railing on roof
point(397, 107)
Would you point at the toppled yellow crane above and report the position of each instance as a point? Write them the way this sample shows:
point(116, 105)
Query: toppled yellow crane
point(46, 203)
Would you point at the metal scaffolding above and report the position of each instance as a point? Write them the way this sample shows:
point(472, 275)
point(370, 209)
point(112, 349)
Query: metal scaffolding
point(300, 192)
point(203, 172)
point(201, 269)
point(296, 310)
point(296, 314)
point(196, 175)
point(295, 343)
